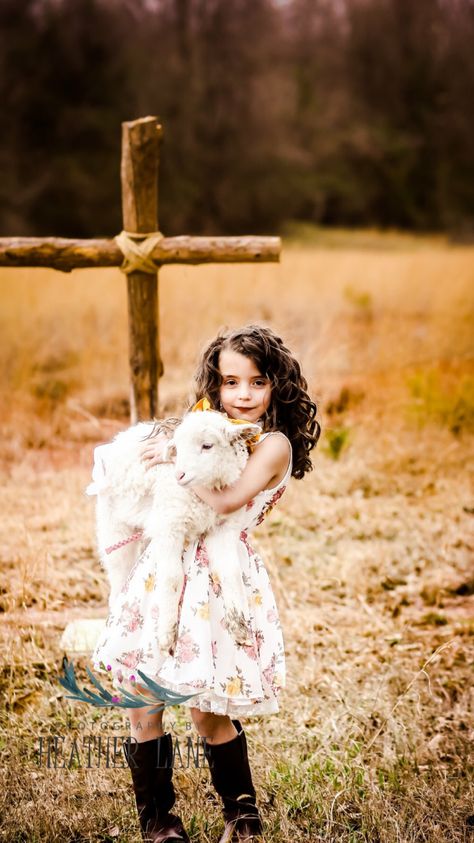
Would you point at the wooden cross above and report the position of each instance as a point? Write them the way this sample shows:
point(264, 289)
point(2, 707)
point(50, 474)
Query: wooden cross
point(139, 176)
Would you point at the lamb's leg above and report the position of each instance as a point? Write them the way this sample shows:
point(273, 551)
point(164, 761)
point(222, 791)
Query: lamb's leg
point(224, 561)
point(119, 563)
point(168, 552)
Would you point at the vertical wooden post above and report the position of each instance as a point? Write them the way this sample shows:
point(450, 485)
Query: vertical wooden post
point(139, 175)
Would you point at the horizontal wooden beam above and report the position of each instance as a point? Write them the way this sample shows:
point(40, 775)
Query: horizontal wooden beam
point(65, 255)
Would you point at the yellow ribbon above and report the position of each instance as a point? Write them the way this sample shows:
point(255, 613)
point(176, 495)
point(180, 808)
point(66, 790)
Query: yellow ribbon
point(204, 404)
point(201, 406)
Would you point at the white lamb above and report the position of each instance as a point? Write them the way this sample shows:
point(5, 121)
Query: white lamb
point(210, 451)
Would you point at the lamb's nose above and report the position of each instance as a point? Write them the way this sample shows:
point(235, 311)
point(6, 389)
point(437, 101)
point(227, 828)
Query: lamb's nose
point(180, 476)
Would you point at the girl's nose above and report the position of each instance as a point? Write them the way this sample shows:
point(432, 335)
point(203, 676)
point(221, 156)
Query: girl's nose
point(244, 391)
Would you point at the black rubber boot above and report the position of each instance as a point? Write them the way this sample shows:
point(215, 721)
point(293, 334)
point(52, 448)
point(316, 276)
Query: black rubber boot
point(231, 777)
point(152, 772)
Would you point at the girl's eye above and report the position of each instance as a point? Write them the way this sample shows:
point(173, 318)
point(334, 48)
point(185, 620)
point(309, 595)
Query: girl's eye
point(207, 446)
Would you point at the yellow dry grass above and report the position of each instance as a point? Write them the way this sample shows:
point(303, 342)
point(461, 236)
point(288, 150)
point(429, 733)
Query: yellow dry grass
point(368, 556)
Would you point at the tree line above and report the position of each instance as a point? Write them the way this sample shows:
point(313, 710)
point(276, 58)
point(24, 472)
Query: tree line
point(336, 112)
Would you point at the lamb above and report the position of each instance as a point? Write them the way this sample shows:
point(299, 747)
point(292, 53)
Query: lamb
point(209, 450)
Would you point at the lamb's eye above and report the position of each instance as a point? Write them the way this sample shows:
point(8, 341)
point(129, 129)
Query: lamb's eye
point(207, 446)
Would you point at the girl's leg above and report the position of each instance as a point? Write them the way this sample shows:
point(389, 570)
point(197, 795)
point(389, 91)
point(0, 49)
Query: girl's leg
point(143, 725)
point(216, 728)
point(225, 748)
point(149, 753)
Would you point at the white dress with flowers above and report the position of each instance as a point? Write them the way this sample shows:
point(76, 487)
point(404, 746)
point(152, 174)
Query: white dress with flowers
point(226, 677)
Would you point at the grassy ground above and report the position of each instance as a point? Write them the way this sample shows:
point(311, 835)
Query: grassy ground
point(369, 556)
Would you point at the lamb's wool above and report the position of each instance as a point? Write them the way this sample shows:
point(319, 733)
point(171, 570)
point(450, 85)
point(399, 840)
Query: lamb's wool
point(209, 451)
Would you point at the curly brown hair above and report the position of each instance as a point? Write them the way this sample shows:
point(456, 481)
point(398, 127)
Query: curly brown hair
point(291, 409)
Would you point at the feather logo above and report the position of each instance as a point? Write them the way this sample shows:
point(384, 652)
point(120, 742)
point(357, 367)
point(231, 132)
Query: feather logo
point(104, 699)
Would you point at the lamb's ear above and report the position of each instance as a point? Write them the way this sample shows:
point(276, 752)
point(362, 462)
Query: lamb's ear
point(246, 431)
point(169, 451)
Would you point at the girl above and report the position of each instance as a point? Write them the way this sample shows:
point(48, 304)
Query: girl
point(247, 374)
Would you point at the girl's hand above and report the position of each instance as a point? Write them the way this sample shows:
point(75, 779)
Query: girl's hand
point(152, 452)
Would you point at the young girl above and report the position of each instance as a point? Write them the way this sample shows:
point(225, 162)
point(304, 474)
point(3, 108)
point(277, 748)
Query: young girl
point(247, 374)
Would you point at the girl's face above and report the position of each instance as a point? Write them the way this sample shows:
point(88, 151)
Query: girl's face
point(245, 393)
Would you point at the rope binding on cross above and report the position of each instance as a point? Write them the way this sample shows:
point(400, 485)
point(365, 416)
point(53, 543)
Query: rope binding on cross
point(137, 249)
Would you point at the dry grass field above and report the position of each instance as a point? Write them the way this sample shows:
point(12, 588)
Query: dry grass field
point(370, 556)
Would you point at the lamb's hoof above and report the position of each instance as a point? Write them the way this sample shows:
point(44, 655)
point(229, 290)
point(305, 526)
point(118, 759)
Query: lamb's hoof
point(167, 641)
point(242, 637)
point(238, 627)
point(244, 642)
point(165, 651)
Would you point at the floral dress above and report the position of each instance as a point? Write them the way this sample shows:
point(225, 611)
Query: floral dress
point(226, 677)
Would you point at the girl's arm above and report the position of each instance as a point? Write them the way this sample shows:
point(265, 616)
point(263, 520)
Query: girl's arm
point(267, 463)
